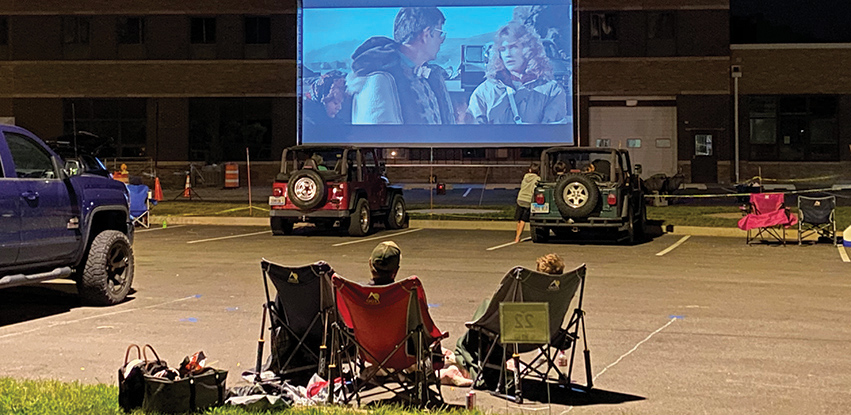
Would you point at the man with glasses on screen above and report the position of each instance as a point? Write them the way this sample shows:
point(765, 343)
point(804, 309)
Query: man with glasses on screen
point(391, 81)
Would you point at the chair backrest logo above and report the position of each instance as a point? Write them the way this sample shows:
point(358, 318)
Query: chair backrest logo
point(373, 298)
point(817, 203)
point(293, 279)
point(554, 285)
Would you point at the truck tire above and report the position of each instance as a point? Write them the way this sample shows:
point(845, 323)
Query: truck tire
point(108, 272)
point(360, 220)
point(576, 195)
point(281, 226)
point(396, 217)
point(306, 189)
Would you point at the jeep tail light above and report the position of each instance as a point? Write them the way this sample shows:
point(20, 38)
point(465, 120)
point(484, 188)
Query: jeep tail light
point(612, 199)
point(277, 191)
point(336, 194)
point(539, 198)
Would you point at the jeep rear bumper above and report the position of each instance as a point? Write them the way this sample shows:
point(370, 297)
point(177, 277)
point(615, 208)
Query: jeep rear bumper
point(620, 223)
point(308, 215)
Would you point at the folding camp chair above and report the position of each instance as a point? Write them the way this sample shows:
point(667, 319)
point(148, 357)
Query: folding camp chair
point(299, 318)
point(818, 217)
point(766, 217)
point(393, 332)
point(140, 204)
point(521, 285)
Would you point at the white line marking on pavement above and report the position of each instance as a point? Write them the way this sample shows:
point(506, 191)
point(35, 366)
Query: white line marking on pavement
point(508, 244)
point(673, 319)
point(228, 237)
point(63, 323)
point(467, 192)
point(156, 229)
point(378, 237)
point(843, 254)
point(672, 247)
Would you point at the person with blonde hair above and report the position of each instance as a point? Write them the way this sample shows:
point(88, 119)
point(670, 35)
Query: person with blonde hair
point(519, 87)
point(550, 264)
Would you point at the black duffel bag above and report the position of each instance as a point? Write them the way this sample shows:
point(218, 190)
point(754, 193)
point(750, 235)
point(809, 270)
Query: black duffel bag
point(131, 376)
point(195, 392)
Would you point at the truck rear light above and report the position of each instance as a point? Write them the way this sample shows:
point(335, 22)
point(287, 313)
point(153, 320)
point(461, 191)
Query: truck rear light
point(539, 198)
point(277, 191)
point(612, 199)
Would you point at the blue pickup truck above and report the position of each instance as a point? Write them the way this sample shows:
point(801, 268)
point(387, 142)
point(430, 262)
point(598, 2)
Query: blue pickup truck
point(59, 221)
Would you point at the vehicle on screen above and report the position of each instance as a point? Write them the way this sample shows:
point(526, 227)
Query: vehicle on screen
point(583, 190)
point(62, 220)
point(332, 186)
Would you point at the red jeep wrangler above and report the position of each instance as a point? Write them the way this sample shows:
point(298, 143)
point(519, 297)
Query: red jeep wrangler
point(334, 185)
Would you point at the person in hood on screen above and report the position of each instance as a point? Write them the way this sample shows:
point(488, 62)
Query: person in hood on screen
point(519, 87)
point(392, 81)
point(323, 98)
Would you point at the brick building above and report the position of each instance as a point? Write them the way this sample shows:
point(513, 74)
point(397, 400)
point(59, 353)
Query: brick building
point(199, 82)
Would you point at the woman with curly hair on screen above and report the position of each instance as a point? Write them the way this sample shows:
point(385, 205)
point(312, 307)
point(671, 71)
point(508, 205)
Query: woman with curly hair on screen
point(519, 88)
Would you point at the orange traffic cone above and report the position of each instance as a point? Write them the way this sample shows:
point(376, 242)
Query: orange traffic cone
point(158, 190)
point(187, 188)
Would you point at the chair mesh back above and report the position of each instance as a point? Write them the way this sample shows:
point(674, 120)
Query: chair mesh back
point(767, 202)
point(816, 210)
point(524, 285)
point(138, 199)
point(303, 292)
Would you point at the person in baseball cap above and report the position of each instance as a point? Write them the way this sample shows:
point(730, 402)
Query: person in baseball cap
point(384, 263)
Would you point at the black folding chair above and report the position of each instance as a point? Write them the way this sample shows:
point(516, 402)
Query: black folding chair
point(521, 285)
point(300, 316)
point(817, 217)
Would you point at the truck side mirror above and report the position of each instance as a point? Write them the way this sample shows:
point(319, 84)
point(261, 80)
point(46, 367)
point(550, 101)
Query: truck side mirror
point(638, 170)
point(72, 167)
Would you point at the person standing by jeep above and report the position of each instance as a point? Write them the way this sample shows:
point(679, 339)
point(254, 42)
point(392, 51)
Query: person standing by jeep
point(524, 198)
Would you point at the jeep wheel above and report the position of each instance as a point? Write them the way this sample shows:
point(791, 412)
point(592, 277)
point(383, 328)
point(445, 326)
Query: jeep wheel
point(630, 225)
point(641, 222)
point(539, 234)
point(281, 226)
point(108, 272)
point(306, 189)
point(576, 195)
point(397, 213)
point(360, 221)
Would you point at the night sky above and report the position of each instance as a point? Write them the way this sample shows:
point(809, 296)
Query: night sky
point(790, 21)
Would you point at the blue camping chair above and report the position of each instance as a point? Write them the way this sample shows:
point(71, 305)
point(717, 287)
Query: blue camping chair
point(140, 204)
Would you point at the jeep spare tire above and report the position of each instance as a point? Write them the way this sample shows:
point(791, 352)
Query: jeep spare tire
point(576, 195)
point(306, 189)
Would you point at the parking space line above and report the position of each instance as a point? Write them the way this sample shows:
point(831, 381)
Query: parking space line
point(62, 323)
point(156, 229)
point(672, 247)
point(228, 237)
point(634, 348)
point(528, 238)
point(378, 237)
point(843, 254)
point(467, 192)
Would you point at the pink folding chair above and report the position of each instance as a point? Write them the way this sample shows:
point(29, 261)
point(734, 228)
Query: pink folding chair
point(394, 334)
point(767, 218)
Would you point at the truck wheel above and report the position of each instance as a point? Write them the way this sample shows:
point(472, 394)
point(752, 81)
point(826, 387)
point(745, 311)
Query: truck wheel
point(281, 226)
point(306, 189)
point(397, 213)
point(576, 195)
point(108, 273)
point(540, 234)
point(360, 221)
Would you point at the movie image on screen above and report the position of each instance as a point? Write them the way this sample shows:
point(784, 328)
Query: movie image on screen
point(419, 75)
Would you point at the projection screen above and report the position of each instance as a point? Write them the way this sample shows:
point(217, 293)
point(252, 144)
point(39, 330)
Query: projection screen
point(428, 73)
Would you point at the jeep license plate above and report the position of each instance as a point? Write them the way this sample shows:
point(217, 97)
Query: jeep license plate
point(277, 201)
point(536, 208)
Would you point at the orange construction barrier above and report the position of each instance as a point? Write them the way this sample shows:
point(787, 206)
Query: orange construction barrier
point(123, 175)
point(231, 175)
point(158, 190)
point(187, 188)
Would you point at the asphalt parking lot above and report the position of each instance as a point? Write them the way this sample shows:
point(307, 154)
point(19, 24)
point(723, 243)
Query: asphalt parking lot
point(675, 325)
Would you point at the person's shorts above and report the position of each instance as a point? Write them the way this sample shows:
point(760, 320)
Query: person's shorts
point(521, 213)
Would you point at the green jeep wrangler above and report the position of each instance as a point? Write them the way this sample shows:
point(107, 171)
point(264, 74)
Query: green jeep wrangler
point(587, 189)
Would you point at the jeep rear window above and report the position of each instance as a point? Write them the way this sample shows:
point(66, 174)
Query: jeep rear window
point(322, 158)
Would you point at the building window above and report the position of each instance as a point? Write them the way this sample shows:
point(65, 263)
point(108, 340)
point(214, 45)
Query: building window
point(4, 30)
point(75, 30)
point(604, 26)
point(258, 30)
point(203, 30)
point(793, 128)
point(131, 30)
point(123, 121)
point(633, 143)
point(703, 144)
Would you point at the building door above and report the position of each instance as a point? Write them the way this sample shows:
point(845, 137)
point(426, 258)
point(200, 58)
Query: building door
point(704, 161)
point(649, 133)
